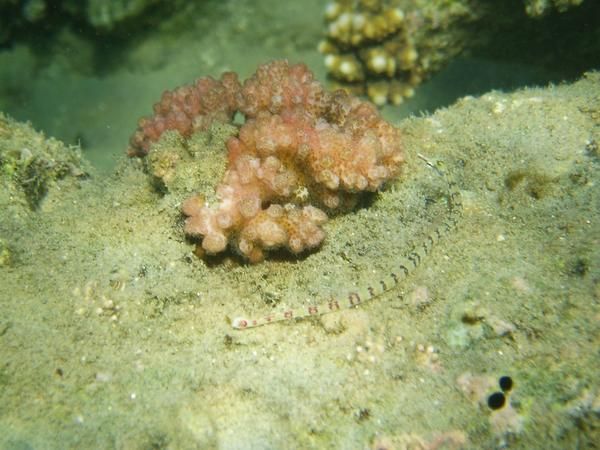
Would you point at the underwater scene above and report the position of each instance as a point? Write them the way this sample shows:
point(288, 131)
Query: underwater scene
point(317, 224)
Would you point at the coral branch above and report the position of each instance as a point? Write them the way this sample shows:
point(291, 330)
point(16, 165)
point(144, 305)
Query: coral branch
point(187, 109)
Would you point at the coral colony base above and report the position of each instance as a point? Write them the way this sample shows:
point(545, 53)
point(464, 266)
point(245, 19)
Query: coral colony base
point(300, 152)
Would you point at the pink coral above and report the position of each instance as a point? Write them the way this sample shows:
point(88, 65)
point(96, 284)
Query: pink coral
point(187, 109)
point(300, 149)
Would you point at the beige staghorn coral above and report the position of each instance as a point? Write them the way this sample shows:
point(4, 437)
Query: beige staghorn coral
point(301, 150)
point(367, 45)
point(383, 48)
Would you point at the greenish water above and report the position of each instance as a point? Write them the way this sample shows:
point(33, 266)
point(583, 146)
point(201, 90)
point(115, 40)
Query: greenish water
point(91, 90)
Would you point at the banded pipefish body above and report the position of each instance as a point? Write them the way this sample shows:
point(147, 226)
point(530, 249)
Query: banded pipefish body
point(399, 270)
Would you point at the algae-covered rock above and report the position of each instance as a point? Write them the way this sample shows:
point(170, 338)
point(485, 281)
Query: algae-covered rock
point(536, 8)
point(5, 254)
point(31, 163)
point(109, 14)
point(106, 16)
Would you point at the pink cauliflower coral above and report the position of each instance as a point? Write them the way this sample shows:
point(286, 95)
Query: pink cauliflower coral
point(300, 149)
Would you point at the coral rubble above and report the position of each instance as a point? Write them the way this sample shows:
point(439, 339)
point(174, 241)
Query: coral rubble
point(300, 150)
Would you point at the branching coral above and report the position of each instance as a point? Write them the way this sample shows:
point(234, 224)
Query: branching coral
point(301, 149)
point(187, 109)
point(384, 48)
